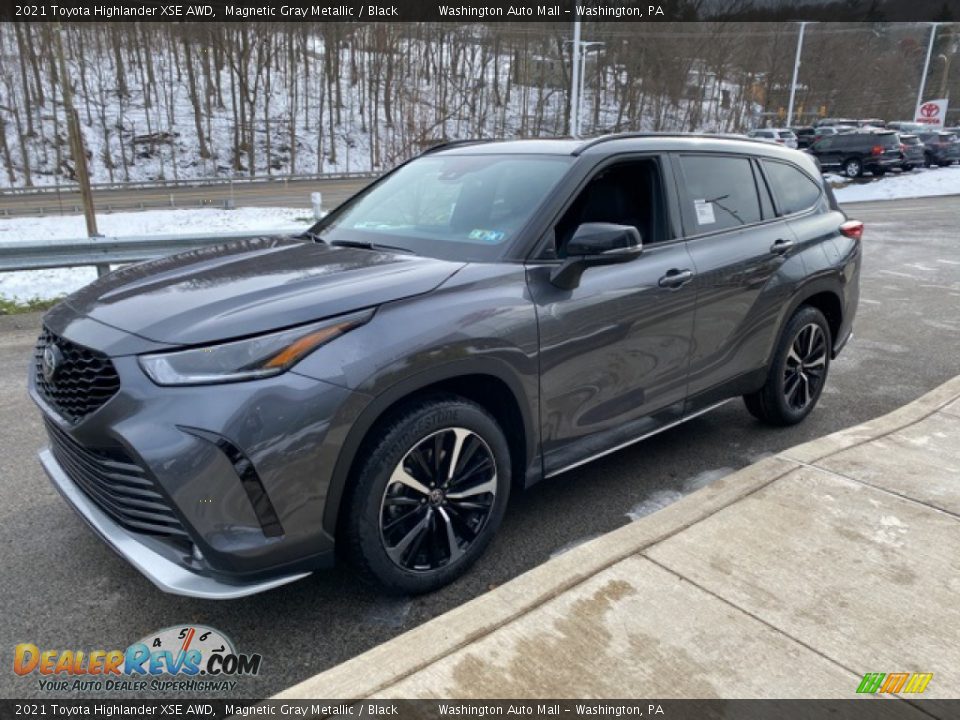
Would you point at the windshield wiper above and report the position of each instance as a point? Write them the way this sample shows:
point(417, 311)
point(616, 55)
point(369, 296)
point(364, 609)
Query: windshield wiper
point(371, 246)
point(309, 234)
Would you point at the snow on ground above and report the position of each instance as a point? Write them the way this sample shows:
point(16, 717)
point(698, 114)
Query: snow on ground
point(922, 182)
point(47, 284)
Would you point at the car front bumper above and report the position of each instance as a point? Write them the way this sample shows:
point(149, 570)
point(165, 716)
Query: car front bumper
point(211, 491)
point(153, 563)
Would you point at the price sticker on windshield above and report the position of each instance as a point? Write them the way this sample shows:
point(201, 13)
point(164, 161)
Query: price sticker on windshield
point(704, 211)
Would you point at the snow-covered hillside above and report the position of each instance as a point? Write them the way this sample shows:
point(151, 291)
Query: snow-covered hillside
point(184, 101)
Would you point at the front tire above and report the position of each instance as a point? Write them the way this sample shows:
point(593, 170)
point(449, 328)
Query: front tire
point(797, 373)
point(429, 496)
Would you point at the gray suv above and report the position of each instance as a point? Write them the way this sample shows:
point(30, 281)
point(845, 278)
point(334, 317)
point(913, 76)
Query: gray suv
point(484, 317)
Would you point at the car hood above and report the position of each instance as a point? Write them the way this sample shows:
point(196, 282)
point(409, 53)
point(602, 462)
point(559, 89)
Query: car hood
point(250, 287)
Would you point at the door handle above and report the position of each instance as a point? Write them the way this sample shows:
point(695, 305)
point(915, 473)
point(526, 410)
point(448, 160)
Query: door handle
point(675, 278)
point(781, 246)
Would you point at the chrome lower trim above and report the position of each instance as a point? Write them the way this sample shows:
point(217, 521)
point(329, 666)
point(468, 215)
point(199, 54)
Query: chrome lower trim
point(163, 573)
point(628, 443)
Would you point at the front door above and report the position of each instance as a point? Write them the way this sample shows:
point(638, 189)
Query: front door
point(614, 351)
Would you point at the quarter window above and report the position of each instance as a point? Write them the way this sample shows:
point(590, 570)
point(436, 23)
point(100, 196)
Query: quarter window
point(794, 190)
point(720, 193)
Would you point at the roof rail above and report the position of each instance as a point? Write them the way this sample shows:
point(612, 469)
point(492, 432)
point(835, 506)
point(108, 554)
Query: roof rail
point(627, 135)
point(446, 144)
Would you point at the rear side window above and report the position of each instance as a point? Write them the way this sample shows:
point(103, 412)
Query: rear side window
point(889, 140)
point(720, 193)
point(793, 189)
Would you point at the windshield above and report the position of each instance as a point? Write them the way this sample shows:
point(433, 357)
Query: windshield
point(456, 207)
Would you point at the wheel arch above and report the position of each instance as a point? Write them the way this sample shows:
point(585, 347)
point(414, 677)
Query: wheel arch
point(823, 294)
point(828, 302)
point(483, 381)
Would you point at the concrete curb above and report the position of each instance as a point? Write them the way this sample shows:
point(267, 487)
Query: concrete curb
point(383, 666)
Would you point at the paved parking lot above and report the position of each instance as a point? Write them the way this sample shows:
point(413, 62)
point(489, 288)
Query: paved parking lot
point(60, 587)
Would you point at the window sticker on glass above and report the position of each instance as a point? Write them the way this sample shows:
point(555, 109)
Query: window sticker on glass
point(704, 211)
point(487, 236)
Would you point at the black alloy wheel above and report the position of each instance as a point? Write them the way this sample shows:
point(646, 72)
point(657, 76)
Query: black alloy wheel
point(427, 496)
point(806, 366)
point(797, 372)
point(438, 500)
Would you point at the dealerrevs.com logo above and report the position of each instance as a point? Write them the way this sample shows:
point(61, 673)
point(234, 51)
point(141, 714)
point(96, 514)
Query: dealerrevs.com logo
point(190, 658)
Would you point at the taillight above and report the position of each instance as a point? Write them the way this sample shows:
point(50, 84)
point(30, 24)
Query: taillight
point(852, 229)
point(877, 150)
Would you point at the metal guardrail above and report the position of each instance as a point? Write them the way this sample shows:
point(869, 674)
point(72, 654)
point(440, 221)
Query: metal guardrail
point(105, 251)
point(194, 182)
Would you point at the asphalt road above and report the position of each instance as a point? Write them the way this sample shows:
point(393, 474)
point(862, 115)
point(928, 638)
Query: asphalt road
point(60, 587)
point(278, 193)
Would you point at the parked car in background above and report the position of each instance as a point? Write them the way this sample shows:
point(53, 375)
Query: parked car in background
point(856, 152)
point(826, 130)
point(871, 122)
point(833, 122)
point(940, 148)
point(806, 134)
point(907, 127)
point(911, 152)
point(780, 136)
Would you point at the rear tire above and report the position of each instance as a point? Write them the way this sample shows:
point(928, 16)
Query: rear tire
point(852, 168)
point(797, 372)
point(411, 523)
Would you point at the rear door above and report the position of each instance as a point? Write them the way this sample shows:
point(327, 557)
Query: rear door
point(826, 151)
point(738, 245)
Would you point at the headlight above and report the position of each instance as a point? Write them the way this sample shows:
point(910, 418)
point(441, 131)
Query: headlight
point(249, 359)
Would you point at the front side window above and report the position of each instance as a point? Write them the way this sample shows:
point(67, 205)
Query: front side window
point(720, 193)
point(458, 207)
point(794, 190)
point(628, 193)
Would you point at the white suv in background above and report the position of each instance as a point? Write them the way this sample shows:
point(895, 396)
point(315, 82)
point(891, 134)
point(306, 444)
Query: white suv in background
point(779, 136)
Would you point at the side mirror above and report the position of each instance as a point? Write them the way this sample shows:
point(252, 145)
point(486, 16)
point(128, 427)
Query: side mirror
point(596, 244)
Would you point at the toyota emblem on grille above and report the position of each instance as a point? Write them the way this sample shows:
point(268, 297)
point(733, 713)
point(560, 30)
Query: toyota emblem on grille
point(50, 362)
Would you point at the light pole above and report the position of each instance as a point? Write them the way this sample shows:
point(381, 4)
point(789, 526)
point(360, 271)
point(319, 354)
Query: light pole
point(578, 70)
point(926, 67)
point(796, 72)
point(585, 50)
point(946, 73)
point(575, 81)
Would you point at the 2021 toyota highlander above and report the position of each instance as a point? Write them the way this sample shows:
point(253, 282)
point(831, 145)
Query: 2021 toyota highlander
point(485, 316)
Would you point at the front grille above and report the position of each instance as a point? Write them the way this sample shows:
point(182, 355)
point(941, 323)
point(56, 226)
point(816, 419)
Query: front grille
point(120, 487)
point(83, 381)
